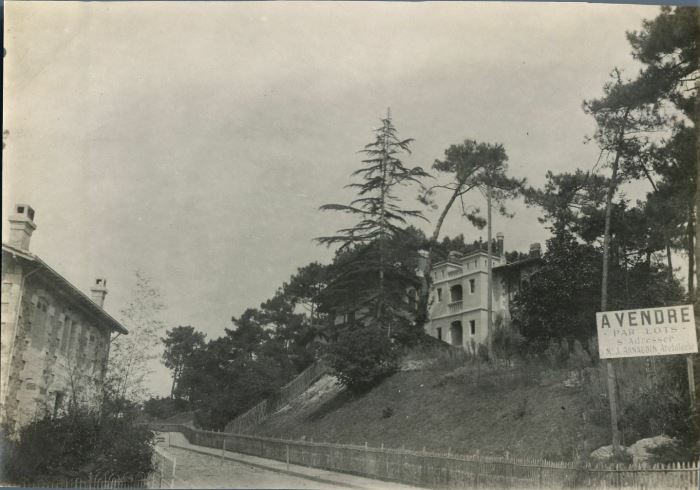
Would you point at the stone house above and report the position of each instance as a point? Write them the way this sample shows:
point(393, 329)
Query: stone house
point(55, 339)
point(458, 303)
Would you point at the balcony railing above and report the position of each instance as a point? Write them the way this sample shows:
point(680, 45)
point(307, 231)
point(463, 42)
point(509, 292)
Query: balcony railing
point(455, 307)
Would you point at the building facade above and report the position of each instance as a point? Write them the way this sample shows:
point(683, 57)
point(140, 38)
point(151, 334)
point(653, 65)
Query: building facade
point(458, 304)
point(55, 339)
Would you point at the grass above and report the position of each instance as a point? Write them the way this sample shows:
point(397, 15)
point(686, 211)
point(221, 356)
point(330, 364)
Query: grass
point(452, 402)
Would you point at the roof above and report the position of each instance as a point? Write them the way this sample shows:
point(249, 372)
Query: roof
point(75, 294)
point(457, 261)
point(520, 263)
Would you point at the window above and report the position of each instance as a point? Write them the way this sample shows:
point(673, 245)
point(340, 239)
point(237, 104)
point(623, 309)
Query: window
point(456, 293)
point(472, 286)
point(41, 304)
point(439, 333)
point(472, 327)
point(439, 294)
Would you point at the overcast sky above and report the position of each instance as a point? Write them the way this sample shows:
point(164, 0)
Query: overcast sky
point(195, 142)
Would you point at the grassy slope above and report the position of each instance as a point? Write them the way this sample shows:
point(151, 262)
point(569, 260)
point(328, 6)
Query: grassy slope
point(441, 408)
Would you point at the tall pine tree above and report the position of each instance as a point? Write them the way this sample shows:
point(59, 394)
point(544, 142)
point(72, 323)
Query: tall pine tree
point(381, 217)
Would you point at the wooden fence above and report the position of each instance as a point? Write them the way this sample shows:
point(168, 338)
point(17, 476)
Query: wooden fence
point(288, 392)
point(446, 470)
point(163, 476)
point(96, 483)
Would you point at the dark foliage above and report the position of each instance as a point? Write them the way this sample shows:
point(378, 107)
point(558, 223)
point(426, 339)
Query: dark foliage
point(165, 407)
point(78, 445)
point(362, 355)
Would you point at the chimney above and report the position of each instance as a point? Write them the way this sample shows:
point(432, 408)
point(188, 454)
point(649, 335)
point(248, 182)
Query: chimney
point(535, 250)
point(499, 243)
point(21, 227)
point(99, 291)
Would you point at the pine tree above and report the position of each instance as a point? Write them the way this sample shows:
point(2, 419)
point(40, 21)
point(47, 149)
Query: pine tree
point(377, 207)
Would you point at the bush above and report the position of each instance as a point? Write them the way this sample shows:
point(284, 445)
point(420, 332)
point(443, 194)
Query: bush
point(164, 408)
point(557, 353)
point(507, 343)
point(78, 445)
point(362, 355)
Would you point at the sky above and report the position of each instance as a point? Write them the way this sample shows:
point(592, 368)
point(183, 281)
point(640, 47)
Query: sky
point(194, 142)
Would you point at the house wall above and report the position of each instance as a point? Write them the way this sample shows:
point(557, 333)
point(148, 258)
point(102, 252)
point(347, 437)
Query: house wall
point(473, 306)
point(60, 353)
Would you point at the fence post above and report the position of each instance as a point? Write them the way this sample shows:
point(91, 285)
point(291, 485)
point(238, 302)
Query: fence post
point(287, 456)
point(539, 477)
point(172, 477)
point(223, 450)
point(478, 470)
point(366, 458)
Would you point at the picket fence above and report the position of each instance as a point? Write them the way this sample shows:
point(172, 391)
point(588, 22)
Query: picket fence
point(288, 392)
point(446, 469)
point(91, 483)
point(163, 476)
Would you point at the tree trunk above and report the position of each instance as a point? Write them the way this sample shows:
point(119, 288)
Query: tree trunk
point(691, 252)
point(426, 280)
point(667, 240)
point(382, 214)
point(612, 388)
point(489, 278)
point(697, 188)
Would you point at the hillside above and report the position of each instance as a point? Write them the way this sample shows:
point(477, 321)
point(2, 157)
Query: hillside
point(441, 406)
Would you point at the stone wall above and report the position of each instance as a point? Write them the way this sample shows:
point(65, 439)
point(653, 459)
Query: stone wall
point(59, 352)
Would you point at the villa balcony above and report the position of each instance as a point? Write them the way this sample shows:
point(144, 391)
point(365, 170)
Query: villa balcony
point(455, 307)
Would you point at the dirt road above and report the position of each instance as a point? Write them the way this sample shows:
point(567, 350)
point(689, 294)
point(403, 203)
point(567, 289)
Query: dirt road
point(201, 467)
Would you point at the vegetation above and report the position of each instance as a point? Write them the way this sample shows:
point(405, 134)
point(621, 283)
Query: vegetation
point(130, 355)
point(366, 307)
point(180, 344)
point(77, 445)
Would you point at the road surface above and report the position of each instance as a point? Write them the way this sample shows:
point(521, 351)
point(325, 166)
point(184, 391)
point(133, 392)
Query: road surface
point(202, 467)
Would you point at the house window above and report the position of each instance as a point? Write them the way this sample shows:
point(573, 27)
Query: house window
point(472, 327)
point(439, 333)
point(472, 286)
point(439, 294)
point(456, 293)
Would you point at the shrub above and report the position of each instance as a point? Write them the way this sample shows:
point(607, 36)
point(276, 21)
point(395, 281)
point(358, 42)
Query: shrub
point(78, 445)
point(164, 408)
point(362, 355)
point(507, 343)
point(557, 353)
